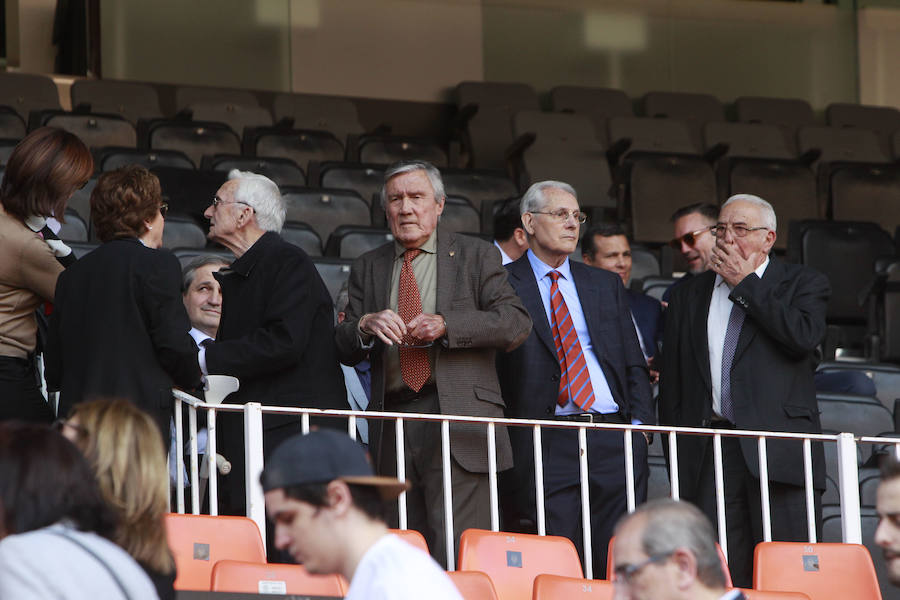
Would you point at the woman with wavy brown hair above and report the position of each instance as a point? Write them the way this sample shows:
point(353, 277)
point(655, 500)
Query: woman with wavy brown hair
point(42, 173)
point(124, 448)
point(119, 328)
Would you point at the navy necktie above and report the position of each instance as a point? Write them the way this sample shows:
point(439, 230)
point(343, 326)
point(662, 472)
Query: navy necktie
point(732, 333)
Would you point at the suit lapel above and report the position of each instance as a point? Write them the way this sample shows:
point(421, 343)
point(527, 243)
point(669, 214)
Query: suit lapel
point(447, 265)
point(381, 280)
point(771, 277)
point(527, 288)
point(700, 298)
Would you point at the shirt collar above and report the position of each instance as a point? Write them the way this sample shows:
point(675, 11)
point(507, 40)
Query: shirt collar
point(35, 222)
point(760, 271)
point(430, 246)
point(541, 268)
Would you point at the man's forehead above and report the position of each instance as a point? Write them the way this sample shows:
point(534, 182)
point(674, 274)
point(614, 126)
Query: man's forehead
point(409, 179)
point(690, 223)
point(228, 188)
point(611, 242)
point(888, 497)
point(559, 198)
point(740, 212)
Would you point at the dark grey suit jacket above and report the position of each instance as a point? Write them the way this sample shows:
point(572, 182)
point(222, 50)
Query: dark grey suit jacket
point(483, 315)
point(772, 373)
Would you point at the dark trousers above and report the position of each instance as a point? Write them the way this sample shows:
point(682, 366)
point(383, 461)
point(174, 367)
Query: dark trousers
point(424, 469)
point(743, 509)
point(20, 393)
point(606, 477)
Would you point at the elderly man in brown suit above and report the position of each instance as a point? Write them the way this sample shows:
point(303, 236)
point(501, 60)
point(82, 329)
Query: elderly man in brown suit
point(430, 310)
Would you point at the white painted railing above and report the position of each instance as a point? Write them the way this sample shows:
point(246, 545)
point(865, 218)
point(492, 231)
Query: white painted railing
point(846, 445)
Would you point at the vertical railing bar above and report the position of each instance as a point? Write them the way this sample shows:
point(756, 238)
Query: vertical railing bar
point(718, 473)
point(539, 481)
point(179, 455)
point(585, 503)
point(764, 489)
point(673, 466)
point(448, 495)
point(629, 470)
point(213, 467)
point(401, 471)
point(492, 475)
point(195, 477)
point(808, 486)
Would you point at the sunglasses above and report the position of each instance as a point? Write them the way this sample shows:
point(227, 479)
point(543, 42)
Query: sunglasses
point(689, 238)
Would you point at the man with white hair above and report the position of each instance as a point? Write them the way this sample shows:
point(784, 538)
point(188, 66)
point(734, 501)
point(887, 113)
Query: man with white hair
point(740, 353)
point(276, 332)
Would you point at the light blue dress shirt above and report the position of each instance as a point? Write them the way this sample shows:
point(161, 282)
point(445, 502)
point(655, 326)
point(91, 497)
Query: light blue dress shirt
point(603, 399)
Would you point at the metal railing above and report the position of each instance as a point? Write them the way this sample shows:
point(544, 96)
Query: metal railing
point(846, 446)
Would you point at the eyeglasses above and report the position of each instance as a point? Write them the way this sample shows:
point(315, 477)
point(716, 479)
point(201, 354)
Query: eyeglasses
point(164, 209)
point(218, 201)
point(562, 215)
point(689, 238)
point(625, 573)
point(738, 229)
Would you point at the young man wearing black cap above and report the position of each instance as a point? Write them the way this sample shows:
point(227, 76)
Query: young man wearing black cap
point(328, 509)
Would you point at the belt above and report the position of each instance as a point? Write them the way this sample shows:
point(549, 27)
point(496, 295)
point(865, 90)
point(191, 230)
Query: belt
point(409, 395)
point(718, 423)
point(592, 417)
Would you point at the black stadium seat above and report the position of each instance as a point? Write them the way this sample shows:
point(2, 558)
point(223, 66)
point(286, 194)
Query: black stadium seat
point(194, 138)
point(132, 101)
point(325, 209)
point(298, 145)
point(182, 232)
point(111, 158)
point(25, 92)
point(282, 171)
point(334, 272)
point(351, 241)
point(459, 215)
point(303, 236)
point(365, 179)
point(75, 229)
point(859, 415)
point(598, 104)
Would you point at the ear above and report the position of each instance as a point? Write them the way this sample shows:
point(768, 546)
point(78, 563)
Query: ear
point(686, 564)
point(520, 237)
point(771, 236)
point(528, 223)
point(440, 208)
point(339, 498)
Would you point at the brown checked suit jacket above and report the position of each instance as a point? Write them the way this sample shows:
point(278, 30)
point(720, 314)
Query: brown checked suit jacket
point(483, 315)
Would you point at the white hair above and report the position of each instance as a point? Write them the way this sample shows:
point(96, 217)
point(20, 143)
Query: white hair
point(409, 166)
point(768, 213)
point(534, 199)
point(262, 195)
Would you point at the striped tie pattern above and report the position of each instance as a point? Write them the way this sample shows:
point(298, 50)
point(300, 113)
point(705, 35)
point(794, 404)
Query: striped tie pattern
point(574, 380)
point(414, 366)
point(732, 333)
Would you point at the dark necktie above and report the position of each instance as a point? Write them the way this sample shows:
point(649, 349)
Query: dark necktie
point(414, 365)
point(732, 333)
point(574, 381)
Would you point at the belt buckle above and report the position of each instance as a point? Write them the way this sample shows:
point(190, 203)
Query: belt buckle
point(586, 417)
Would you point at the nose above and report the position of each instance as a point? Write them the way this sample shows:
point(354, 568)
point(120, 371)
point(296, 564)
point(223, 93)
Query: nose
point(882, 538)
point(215, 297)
point(282, 541)
point(621, 591)
point(209, 211)
point(728, 236)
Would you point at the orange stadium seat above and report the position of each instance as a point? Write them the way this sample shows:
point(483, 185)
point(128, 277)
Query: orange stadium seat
point(761, 595)
point(473, 585)
point(199, 541)
point(610, 564)
point(551, 587)
point(820, 571)
point(513, 560)
point(268, 578)
point(412, 537)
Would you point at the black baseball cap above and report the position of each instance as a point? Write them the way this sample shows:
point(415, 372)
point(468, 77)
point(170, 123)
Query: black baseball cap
point(323, 456)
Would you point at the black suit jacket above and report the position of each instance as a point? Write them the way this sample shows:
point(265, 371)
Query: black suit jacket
point(647, 313)
point(772, 373)
point(276, 333)
point(119, 329)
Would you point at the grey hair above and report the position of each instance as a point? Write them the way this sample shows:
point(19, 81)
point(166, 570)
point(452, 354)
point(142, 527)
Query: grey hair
point(263, 196)
point(408, 166)
point(672, 524)
point(769, 219)
point(534, 197)
point(190, 270)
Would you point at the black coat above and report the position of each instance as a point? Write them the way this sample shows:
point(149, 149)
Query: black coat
point(119, 329)
point(772, 373)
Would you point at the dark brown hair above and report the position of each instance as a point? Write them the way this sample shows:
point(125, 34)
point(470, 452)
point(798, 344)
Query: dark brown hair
point(122, 200)
point(44, 478)
point(43, 171)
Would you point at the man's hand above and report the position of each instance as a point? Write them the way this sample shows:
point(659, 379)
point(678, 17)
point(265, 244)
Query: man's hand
point(385, 325)
point(427, 327)
point(728, 262)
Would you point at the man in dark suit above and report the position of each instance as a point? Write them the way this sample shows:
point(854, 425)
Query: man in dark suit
point(430, 311)
point(740, 352)
point(666, 550)
point(607, 247)
point(276, 332)
point(582, 362)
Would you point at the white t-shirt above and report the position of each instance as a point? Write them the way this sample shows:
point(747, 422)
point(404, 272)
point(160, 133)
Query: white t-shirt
point(41, 564)
point(395, 570)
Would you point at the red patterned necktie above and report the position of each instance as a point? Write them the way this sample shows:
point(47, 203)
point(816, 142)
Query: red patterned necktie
point(414, 365)
point(574, 380)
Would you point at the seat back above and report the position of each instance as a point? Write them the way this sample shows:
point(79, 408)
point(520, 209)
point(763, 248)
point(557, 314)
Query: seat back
point(489, 131)
point(842, 144)
point(883, 120)
point(860, 415)
point(25, 92)
point(473, 585)
point(97, 130)
point(554, 587)
point(478, 186)
point(325, 209)
point(749, 140)
point(185, 96)
point(111, 158)
point(866, 193)
point(283, 171)
point(388, 149)
point(364, 179)
point(182, 232)
point(303, 236)
point(823, 570)
point(334, 272)
point(652, 135)
point(329, 113)
point(194, 138)
point(695, 109)
point(298, 145)
point(129, 100)
point(236, 116)
point(761, 595)
point(513, 560)
point(351, 241)
point(598, 104)
point(199, 541)
point(459, 215)
point(412, 537)
point(12, 126)
point(270, 578)
point(75, 229)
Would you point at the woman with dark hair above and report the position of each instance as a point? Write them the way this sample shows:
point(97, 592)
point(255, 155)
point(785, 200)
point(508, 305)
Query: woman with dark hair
point(42, 173)
point(124, 448)
point(54, 524)
point(119, 328)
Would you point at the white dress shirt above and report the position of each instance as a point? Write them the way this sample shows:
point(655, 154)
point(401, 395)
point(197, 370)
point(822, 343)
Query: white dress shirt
point(716, 325)
point(503, 255)
point(603, 398)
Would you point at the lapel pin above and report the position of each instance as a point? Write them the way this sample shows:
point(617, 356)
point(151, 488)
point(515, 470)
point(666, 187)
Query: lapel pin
point(452, 253)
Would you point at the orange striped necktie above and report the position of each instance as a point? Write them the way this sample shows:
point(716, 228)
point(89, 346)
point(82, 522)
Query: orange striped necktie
point(574, 381)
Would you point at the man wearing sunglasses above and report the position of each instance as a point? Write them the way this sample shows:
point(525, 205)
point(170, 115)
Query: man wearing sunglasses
point(740, 353)
point(666, 550)
point(693, 238)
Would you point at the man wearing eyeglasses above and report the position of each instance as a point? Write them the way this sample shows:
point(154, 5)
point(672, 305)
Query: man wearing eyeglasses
point(430, 311)
point(693, 238)
point(666, 550)
point(276, 330)
point(582, 363)
point(740, 353)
